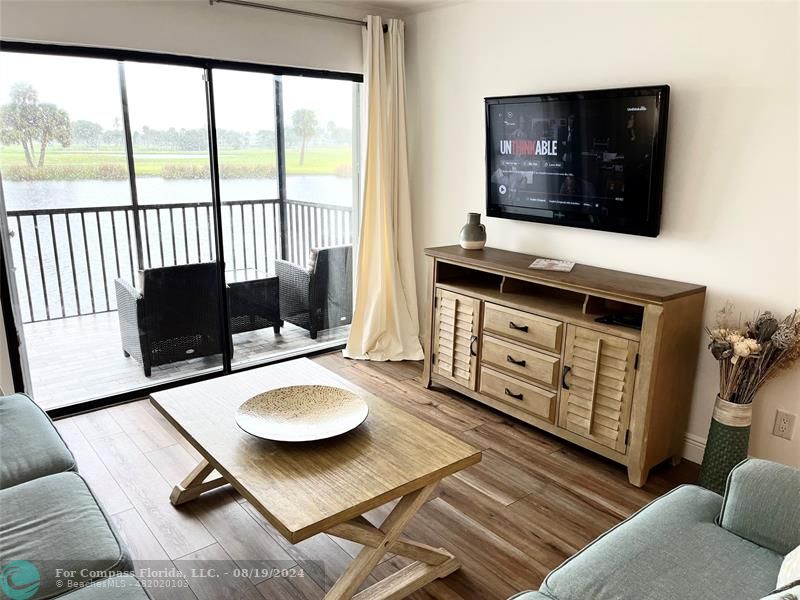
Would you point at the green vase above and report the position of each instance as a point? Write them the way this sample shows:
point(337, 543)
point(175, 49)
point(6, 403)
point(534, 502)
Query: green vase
point(726, 447)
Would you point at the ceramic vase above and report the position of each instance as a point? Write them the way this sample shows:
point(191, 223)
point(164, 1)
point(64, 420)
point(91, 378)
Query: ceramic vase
point(726, 447)
point(473, 234)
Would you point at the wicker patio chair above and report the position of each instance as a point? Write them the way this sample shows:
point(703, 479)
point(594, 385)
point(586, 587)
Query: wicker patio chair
point(174, 317)
point(321, 296)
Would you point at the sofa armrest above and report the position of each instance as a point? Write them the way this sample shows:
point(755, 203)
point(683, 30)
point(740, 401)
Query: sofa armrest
point(30, 445)
point(762, 504)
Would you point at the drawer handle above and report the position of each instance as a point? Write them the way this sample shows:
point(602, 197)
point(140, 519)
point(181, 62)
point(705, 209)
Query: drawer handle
point(522, 328)
point(513, 395)
point(511, 359)
point(564, 374)
point(472, 341)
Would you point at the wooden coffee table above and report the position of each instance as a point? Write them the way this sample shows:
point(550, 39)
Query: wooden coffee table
point(323, 487)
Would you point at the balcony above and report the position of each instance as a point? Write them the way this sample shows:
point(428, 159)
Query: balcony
point(67, 259)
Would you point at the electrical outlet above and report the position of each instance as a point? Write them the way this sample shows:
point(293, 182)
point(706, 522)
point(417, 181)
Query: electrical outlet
point(784, 425)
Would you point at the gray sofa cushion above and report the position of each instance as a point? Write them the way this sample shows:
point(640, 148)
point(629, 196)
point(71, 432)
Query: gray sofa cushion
point(30, 446)
point(530, 596)
point(671, 549)
point(55, 522)
point(762, 504)
point(119, 587)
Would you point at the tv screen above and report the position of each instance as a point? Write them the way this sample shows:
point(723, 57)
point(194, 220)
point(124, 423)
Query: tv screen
point(585, 159)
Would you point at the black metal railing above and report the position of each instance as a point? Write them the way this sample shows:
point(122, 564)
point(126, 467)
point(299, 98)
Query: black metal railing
point(310, 225)
point(66, 259)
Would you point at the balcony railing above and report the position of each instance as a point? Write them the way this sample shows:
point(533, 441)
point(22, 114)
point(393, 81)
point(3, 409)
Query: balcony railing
point(66, 259)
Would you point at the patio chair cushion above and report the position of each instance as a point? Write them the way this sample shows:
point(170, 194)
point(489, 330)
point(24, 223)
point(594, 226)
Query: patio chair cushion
point(119, 587)
point(655, 554)
point(30, 446)
point(55, 523)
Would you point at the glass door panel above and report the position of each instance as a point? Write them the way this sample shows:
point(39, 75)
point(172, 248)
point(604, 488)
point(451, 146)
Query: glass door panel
point(180, 276)
point(169, 129)
point(320, 187)
point(67, 201)
point(78, 259)
point(251, 220)
point(112, 222)
point(279, 303)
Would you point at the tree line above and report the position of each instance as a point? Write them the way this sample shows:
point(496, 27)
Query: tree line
point(36, 125)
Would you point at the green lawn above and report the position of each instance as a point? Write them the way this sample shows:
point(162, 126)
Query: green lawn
point(318, 161)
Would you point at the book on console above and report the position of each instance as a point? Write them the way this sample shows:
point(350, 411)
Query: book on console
point(552, 264)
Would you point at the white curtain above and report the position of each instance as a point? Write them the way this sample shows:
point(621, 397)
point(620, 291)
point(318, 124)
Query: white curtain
point(385, 319)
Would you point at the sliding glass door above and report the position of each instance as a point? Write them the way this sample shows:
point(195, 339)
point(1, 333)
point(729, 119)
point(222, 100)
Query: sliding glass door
point(286, 178)
point(178, 279)
point(126, 251)
point(89, 241)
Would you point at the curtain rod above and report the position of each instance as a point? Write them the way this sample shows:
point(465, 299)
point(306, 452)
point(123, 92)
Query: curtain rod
point(294, 11)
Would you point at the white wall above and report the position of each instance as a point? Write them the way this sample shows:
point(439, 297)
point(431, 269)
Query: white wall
point(731, 207)
point(192, 27)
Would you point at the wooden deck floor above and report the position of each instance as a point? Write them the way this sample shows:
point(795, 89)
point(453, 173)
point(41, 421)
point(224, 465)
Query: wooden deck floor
point(80, 358)
point(533, 501)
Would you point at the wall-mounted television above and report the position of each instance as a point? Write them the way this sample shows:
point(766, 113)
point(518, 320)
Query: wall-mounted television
point(591, 159)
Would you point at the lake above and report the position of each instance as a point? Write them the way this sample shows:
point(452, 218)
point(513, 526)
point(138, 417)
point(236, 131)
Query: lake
point(27, 195)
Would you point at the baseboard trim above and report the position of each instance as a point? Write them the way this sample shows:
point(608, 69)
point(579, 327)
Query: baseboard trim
point(693, 448)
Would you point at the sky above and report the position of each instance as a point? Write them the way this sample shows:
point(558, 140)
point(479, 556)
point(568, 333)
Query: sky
point(164, 96)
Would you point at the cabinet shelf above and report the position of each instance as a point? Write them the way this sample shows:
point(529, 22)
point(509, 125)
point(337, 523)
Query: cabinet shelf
point(553, 306)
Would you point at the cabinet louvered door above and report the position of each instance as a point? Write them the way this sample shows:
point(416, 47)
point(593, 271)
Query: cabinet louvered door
point(456, 337)
point(598, 381)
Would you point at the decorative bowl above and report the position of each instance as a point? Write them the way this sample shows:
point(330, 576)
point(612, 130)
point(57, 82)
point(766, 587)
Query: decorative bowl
point(302, 413)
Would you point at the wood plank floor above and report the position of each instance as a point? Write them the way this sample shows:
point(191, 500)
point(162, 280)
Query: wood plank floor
point(532, 502)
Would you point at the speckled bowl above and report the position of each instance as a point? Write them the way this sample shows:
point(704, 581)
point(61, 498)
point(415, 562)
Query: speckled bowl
point(302, 413)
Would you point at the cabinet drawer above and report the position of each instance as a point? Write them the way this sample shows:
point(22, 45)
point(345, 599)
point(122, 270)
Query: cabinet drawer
point(512, 391)
point(531, 329)
point(520, 360)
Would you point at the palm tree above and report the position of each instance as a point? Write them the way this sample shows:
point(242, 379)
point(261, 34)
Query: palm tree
point(304, 122)
point(24, 120)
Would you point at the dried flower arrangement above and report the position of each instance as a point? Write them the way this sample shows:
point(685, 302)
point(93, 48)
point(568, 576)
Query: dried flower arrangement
point(748, 356)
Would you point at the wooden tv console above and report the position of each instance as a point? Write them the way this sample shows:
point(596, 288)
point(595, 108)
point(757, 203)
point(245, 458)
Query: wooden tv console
point(527, 343)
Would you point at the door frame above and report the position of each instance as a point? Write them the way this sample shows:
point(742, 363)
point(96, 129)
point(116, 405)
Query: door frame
point(9, 299)
point(12, 324)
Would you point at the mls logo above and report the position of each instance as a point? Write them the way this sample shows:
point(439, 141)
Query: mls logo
point(20, 580)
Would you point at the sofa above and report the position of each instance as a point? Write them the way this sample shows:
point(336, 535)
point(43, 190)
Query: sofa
point(692, 544)
point(50, 521)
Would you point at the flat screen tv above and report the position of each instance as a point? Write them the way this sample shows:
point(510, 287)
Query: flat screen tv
point(590, 159)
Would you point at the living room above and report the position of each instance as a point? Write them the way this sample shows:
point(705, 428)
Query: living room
point(270, 286)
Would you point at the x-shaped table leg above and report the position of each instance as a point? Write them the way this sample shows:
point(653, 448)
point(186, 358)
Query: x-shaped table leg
point(194, 484)
point(430, 563)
